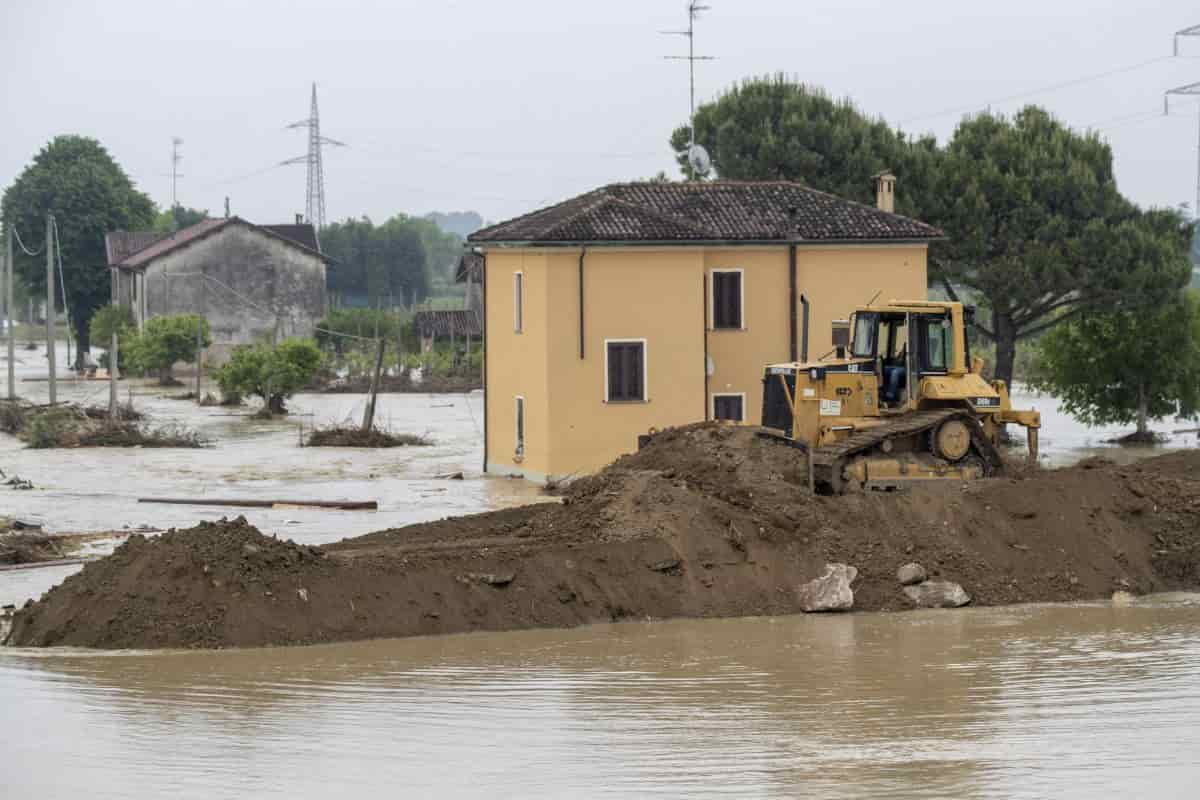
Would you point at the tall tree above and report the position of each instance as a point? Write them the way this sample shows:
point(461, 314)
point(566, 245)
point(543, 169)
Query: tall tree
point(380, 265)
point(1036, 228)
point(89, 194)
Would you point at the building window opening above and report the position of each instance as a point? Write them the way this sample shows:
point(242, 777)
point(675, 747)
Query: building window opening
point(626, 367)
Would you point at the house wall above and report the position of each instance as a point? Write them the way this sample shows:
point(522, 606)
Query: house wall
point(656, 294)
point(256, 287)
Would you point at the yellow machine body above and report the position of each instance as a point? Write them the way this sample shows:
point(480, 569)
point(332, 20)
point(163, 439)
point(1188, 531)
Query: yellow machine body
point(862, 424)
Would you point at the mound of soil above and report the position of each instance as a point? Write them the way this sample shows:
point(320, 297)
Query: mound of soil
point(708, 520)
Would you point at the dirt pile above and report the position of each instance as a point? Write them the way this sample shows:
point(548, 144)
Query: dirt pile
point(708, 520)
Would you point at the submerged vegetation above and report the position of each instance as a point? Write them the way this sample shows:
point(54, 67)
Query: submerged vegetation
point(69, 425)
point(344, 436)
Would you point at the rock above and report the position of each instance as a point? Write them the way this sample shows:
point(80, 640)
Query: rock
point(496, 579)
point(937, 594)
point(250, 549)
point(303, 593)
point(666, 565)
point(1122, 599)
point(831, 591)
point(910, 574)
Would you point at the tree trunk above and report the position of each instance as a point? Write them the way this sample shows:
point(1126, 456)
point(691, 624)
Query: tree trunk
point(275, 404)
point(83, 340)
point(1143, 428)
point(1006, 346)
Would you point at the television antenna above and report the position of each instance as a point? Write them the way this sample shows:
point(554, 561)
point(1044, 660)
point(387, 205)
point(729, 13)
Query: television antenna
point(698, 157)
point(1192, 31)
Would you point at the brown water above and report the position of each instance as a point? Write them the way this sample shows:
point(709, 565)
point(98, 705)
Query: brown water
point(1078, 701)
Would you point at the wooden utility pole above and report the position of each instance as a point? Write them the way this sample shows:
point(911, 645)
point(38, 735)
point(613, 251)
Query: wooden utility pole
point(199, 342)
point(369, 411)
point(50, 308)
point(113, 359)
point(8, 305)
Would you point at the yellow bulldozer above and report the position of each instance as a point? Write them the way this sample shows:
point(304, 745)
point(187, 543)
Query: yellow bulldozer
point(899, 400)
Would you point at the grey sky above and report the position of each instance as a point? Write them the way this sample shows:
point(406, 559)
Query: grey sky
point(504, 106)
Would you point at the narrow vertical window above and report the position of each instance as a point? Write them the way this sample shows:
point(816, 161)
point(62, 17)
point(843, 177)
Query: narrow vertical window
point(518, 301)
point(520, 451)
point(625, 363)
point(727, 299)
point(729, 407)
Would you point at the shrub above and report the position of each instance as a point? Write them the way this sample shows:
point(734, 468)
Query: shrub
point(165, 340)
point(271, 373)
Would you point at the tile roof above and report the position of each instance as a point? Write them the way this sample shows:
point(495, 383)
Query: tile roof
point(119, 244)
point(461, 322)
point(156, 244)
point(302, 233)
point(706, 211)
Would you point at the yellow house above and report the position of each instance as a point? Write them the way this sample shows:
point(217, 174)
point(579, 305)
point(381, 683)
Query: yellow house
point(646, 305)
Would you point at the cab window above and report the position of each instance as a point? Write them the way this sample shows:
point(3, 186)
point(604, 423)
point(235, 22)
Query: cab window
point(865, 328)
point(936, 344)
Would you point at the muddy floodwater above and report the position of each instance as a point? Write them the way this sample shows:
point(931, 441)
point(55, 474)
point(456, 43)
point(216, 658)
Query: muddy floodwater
point(1072, 701)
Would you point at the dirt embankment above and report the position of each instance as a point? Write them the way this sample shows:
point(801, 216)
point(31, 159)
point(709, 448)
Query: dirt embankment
point(707, 521)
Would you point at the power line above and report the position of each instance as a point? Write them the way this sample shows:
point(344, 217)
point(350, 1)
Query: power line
point(1043, 90)
point(17, 237)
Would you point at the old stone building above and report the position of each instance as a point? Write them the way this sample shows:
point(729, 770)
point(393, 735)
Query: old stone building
point(252, 282)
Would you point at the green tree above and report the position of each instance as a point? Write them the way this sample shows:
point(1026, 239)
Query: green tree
point(1127, 366)
point(165, 340)
point(380, 265)
point(177, 218)
point(271, 373)
point(1036, 229)
point(89, 194)
point(112, 319)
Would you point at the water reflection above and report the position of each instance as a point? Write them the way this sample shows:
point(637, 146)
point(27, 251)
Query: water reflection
point(1068, 701)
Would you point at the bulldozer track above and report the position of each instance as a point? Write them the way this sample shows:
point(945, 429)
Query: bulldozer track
point(828, 460)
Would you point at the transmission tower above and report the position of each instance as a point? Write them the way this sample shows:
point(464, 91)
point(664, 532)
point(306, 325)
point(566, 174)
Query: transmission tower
point(176, 157)
point(314, 205)
point(1191, 89)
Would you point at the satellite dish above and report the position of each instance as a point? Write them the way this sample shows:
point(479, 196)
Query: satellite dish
point(699, 160)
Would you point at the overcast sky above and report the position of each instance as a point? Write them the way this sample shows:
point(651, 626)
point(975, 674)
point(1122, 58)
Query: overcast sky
point(504, 105)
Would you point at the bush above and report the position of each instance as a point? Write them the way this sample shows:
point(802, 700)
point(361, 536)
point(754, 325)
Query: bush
point(271, 373)
point(165, 340)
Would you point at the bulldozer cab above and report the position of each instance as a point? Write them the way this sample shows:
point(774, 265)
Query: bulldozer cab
point(905, 345)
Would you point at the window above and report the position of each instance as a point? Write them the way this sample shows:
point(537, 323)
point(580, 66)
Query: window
point(730, 407)
point(936, 344)
point(865, 329)
point(520, 451)
point(625, 365)
point(727, 298)
point(518, 301)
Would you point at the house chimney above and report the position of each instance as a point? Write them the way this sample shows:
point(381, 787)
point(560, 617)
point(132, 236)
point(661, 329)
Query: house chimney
point(299, 219)
point(226, 206)
point(885, 191)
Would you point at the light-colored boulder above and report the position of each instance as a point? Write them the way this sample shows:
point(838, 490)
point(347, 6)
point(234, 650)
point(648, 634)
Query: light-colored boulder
point(910, 574)
point(937, 594)
point(831, 591)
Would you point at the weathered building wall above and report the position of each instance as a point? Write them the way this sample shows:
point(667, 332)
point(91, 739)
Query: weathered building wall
point(255, 287)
